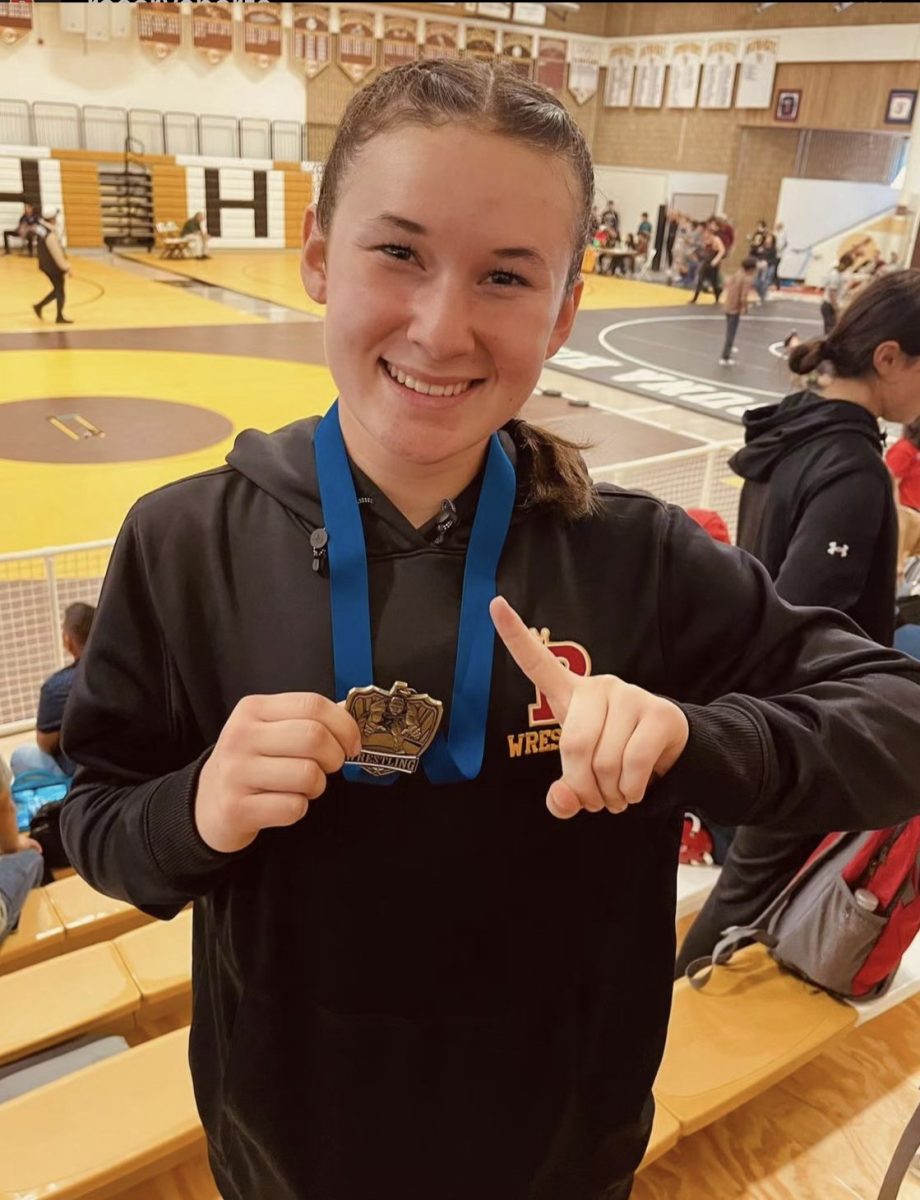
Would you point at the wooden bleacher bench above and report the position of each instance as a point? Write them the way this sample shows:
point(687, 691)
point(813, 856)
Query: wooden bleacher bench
point(89, 991)
point(753, 1025)
point(104, 1129)
point(88, 916)
point(40, 935)
point(158, 958)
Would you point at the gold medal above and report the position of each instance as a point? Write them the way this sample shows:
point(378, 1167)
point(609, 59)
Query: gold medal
point(397, 727)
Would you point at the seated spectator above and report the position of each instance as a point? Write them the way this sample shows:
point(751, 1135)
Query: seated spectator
point(21, 864)
point(196, 228)
point(48, 755)
point(25, 230)
point(903, 461)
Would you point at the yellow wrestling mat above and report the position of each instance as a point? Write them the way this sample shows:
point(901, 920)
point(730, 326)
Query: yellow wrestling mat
point(275, 275)
point(613, 291)
point(65, 502)
point(101, 297)
point(272, 275)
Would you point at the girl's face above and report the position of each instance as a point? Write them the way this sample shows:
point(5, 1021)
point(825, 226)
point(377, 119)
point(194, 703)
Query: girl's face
point(444, 280)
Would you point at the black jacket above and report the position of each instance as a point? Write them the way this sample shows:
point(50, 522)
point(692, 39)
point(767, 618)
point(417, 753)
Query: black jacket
point(817, 507)
point(419, 991)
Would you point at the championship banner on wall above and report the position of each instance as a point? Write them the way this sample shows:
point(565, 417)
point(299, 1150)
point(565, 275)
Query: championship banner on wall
point(481, 43)
point(621, 66)
point(357, 50)
point(400, 41)
point(441, 40)
point(719, 74)
point(651, 64)
point(212, 31)
point(517, 52)
point(311, 41)
point(758, 66)
point(684, 76)
point(584, 70)
point(550, 69)
point(159, 27)
point(262, 33)
point(15, 22)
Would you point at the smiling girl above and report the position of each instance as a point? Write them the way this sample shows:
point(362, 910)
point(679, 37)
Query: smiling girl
point(412, 977)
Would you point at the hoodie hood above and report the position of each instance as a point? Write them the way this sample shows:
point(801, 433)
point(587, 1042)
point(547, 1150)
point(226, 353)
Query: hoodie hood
point(773, 431)
point(282, 464)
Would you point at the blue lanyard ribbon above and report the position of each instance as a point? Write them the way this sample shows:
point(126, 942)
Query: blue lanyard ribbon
point(456, 756)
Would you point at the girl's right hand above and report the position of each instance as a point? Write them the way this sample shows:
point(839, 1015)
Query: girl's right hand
point(271, 759)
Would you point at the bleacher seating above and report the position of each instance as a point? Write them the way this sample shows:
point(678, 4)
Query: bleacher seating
point(88, 916)
point(40, 934)
point(89, 991)
point(102, 1130)
point(158, 958)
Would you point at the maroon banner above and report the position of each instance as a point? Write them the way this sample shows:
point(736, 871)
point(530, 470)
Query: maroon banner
point(159, 27)
point(517, 52)
point(400, 41)
point(357, 49)
point(312, 41)
point(15, 21)
point(262, 32)
point(441, 39)
point(212, 31)
point(481, 43)
point(550, 69)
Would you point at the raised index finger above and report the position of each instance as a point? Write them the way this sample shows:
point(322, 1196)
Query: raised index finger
point(540, 665)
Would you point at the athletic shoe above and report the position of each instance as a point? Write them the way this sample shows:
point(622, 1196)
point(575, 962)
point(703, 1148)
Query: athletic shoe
point(726, 362)
point(63, 321)
point(37, 309)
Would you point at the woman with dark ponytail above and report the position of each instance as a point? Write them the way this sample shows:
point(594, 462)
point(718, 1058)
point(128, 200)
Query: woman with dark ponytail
point(818, 510)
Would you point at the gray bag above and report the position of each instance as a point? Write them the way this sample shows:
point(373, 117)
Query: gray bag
point(827, 922)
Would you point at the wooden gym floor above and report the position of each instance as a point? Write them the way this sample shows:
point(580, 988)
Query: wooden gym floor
point(170, 373)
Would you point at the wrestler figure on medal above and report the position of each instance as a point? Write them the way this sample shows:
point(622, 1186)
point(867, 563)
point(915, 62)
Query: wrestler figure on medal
point(397, 727)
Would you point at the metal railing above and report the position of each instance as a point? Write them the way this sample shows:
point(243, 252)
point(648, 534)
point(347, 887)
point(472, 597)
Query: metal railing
point(36, 586)
point(103, 127)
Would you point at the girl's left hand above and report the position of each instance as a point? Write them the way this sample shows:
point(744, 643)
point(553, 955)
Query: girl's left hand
point(616, 738)
point(27, 843)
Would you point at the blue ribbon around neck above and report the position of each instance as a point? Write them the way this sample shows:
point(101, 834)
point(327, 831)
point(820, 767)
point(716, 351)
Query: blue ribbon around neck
point(456, 756)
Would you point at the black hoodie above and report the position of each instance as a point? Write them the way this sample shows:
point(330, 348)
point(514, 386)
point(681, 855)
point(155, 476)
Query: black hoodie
point(817, 507)
point(444, 993)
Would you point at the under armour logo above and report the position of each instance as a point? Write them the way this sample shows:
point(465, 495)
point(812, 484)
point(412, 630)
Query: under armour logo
point(833, 548)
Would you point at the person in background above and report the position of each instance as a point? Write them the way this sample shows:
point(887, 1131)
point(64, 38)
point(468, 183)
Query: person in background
point(611, 217)
point(835, 287)
point(903, 461)
point(25, 230)
point(643, 236)
point(736, 304)
point(766, 260)
point(725, 230)
point(21, 863)
point(711, 255)
point(781, 241)
point(670, 238)
point(755, 239)
point(48, 755)
point(196, 228)
point(818, 510)
point(53, 263)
